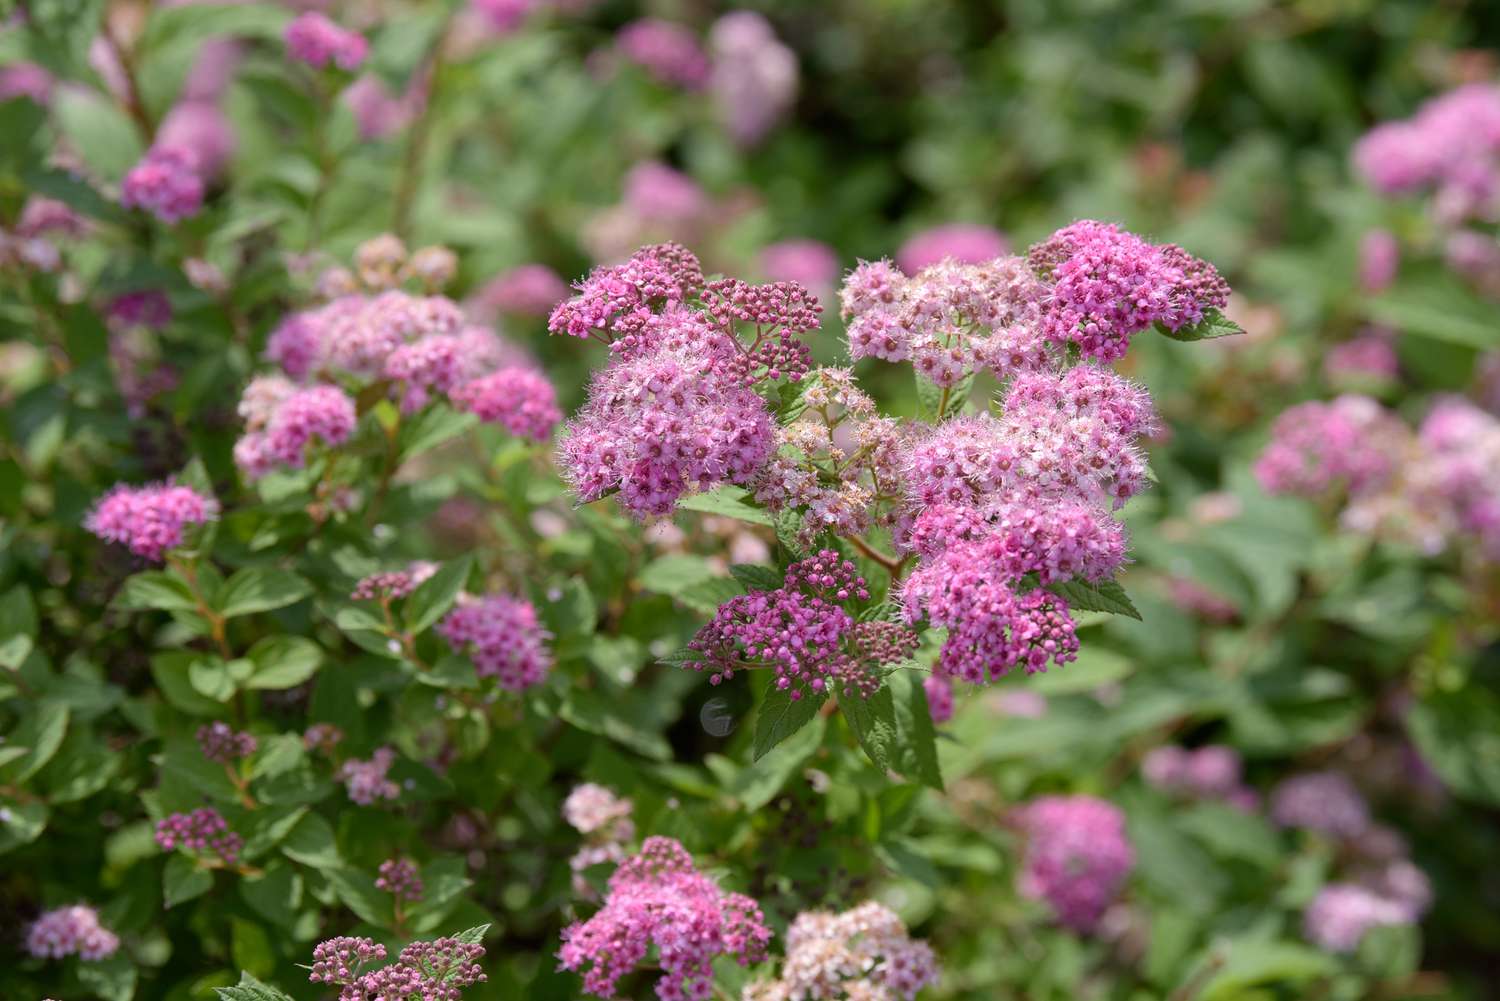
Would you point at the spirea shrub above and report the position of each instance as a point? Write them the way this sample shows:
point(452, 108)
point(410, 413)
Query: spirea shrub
point(757, 616)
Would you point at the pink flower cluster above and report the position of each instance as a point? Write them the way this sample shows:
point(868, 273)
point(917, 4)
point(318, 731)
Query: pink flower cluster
point(26, 79)
point(394, 583)
point(314, 39)
point(810, 263)
point(961, 242)
point(1108, 285)
point(67, 931)
point(416, 347)
point(1326, 802)
point(203, 831)
point(604, 820)
point(399, 878)
point(1209, 772)
point(803, 633)
point(1430, 488)
point(150, 520)
point(366, 781)
point(659, 898)
point(1341, 914)
point(222, 744)
point(864, 953)
point(165, 183)
point(503, 637)
point(1451, 146)
point(667, 51)
point(424, 971)
point(674, 411)
point(1077, 857)
point(754, 76)
point(527, 290)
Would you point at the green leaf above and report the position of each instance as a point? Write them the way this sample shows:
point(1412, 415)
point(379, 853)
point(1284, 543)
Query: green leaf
point(41, 732)
point(758, 784)
point(260, 589)
point(726, 502)
point(162, 590)
point(357, 890)
point(1106, 596)
point(873, 721)
point(1458, 734)
point(915, 754)
point(472, 936)
point(1247, 963)
point(283, 662)
point(172, 672)
point(433, 427)
point(781, 716)
point(683, 657)
point(1214, 324)
point(674, 573)
point(182, 880)
point(210, 678)
point(435, 595)
point(113, 979)
point(275, 894)
point(311, 843)
point(1440, 308)
point(97, 130)
point(756, 577)
point(251, 989)
point(934, 405)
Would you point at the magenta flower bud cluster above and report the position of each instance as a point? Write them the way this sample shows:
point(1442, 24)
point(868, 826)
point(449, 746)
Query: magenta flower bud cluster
point(366, 781)
point(1077, 857)
point(424, 971)
point(203, 832)
point(674, 411)
point(659, 898)
point(399, 878)
point(754, 76)
point(1450, 147)
point(69, 931)
point(222, 744)
point(1435, 487)
point(314, 39)
point(394, 583)
point(1211, 772)
point(150, 520)
point(667, 51)
point(503, 637)
point(803, 633)
point(418, 348)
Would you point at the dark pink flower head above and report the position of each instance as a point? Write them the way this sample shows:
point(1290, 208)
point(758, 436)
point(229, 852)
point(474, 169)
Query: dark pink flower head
point(314, 39)
point(1108, 285)
point(366, 781)
point(143, 308)
point(1451, 146)
point(321, 414)
point(667, 51)
point(400, 878)
point(617, 299)
point(754, 76)
point(660, 193)
point(202, 832)
point(222, 744)
point(377, 111)
point(658, 898)
point(965, 243)
point(150, 520)
point(1077, 857)
point(165, 183)
point(68, 931)
point(393, 584)
point(503, 637)
point(518, 398)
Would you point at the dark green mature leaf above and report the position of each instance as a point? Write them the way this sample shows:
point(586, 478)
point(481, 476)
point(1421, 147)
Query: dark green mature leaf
point(473, 936)
point(1106, 596)
point(1248, 962)
point(283, 662)
point(251, 989)
point(357, 890)
point(312, 843)
point(433, 427)
point(1458, 734)
point(916, 754)
point(781, 716)
point(727, 502)
point(935, 404)
point(435, 595)
point(182, 880)
point(675, 572)
point(161, 590)
point(1440, 308)
point(41, 733)
point(1214, 324)
point(756, 577)
point(113, 978)
point(758, 784)
point(260, 589)
point(873, 721)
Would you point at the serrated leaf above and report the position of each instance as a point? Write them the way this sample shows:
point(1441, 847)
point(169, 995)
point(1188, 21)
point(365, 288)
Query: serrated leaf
point(873, 721)
point(682, 657)
point(756, 577)
point(758, 784)
point(1214, 324)
point(260, 589)
point(1106, 596)
point(915, 754)
point(435, 595)
point(251, 989)
point(781, 716)
point(726, 502)
point(472, 936)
